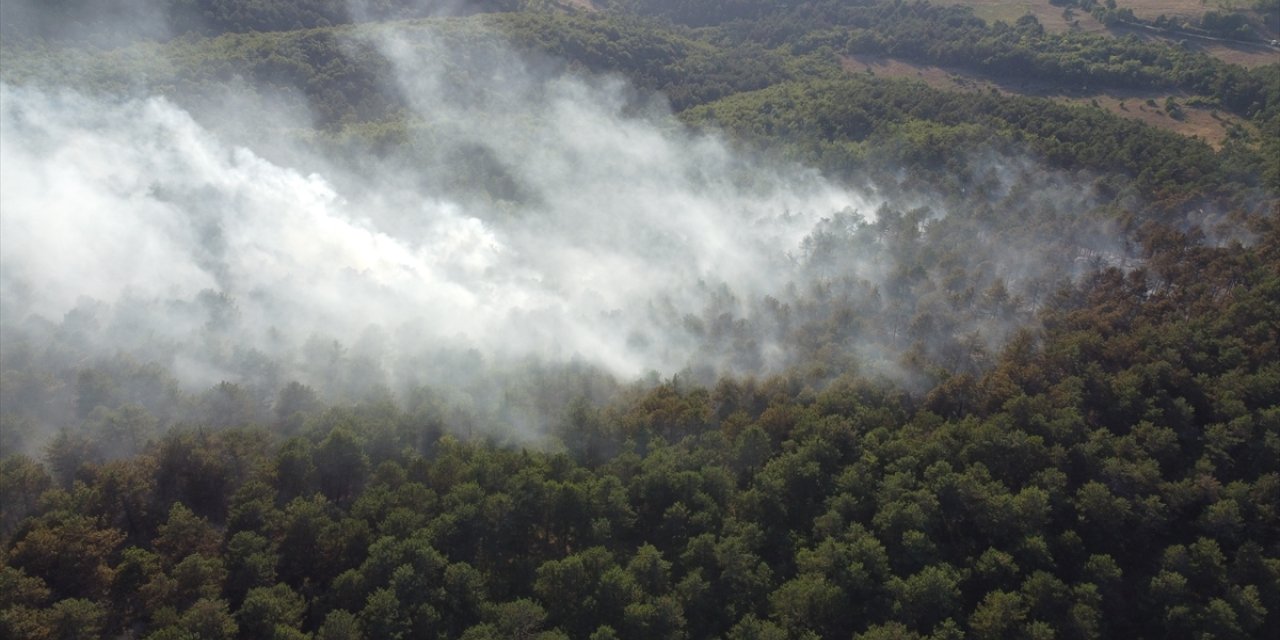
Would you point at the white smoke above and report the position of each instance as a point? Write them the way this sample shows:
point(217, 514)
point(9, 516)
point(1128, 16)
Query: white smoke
point(625, 221)
point(531, 229)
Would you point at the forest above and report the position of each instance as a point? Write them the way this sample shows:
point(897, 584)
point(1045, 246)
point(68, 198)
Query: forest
point(633, 319)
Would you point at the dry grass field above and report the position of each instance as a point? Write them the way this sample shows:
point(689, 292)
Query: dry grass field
point(1208, 124)
point(1058, 19)
point(1150, 9)
point(1244, 55)
point(1054, 19)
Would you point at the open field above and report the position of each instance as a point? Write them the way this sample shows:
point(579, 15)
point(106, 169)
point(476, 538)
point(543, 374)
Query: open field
point(1208, 124)
point(1142, 9)
point(1059, 19)
point(1267, 27)
point(1054, 19)
point(1245, 55)
point(1150, 9)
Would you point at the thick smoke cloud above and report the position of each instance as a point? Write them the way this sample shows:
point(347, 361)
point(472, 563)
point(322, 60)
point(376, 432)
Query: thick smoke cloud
point(541, 217)
point(133, 199)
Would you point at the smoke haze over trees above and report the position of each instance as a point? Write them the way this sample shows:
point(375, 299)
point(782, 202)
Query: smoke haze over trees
point(634, 320)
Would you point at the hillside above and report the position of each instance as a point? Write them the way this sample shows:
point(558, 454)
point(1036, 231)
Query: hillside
point(639, 319)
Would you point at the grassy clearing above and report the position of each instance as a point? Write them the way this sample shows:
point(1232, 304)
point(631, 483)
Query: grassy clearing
point(1054, 19)
point(1208, 124)
point(1150, 9)
point(1205, 123)
point(1243, 56)
point(1144, 9)
point(1058, 19)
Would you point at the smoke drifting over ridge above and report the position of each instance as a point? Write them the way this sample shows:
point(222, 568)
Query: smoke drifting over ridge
point(133, 198)
point(552, 217)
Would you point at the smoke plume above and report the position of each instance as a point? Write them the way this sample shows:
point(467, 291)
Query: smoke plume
point(532, 216)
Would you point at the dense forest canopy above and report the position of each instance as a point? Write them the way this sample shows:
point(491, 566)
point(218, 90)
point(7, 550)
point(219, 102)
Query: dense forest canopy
point(635, 319)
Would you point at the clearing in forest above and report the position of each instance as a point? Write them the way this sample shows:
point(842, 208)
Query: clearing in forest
point(1211, 125)
point(1060, 19)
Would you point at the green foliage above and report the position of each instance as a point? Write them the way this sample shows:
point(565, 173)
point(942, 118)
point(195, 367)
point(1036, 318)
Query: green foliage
point(270, 612)
point(951, 35)
point(1113, 474)
point(1108, 465)
point(839, 124)
point(340, 625)
point(1043, 506)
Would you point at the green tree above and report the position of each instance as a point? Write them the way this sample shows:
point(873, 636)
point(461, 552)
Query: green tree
point(752, 628)
point(340, 465)
point(811, 602)
point(184, 534)
point(519, 619)
point(22, 481)
point(340, 625)
point(382, 616)
point(270, 612)
point(1000, 615)
point(70, 554)
point(209, 619)
point(928, 597)
point(136, 569)
point(75, 619)
point(251, 562)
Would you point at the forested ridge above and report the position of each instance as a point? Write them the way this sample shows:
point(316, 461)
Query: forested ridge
point(1035, 394)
